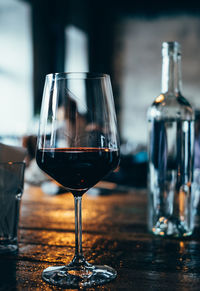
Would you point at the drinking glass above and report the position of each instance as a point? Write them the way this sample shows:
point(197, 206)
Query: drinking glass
point(77, 146)
point(11, 189)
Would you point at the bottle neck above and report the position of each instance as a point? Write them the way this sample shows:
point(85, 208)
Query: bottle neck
point(171, 73)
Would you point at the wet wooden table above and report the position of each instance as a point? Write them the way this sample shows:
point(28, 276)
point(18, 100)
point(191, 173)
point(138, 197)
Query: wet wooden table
point(114, 233)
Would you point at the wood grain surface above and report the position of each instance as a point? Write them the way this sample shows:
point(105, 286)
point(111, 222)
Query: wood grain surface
point(114, 233)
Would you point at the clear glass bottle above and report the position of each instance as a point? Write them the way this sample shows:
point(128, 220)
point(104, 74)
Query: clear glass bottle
point(170, 148)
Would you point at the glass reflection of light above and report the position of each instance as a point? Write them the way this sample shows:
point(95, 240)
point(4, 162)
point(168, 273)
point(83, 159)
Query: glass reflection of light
point(160, 98)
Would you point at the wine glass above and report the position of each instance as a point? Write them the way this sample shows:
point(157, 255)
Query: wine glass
point(77, 146)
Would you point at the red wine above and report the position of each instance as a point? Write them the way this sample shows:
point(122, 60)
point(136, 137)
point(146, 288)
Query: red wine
point(77, 169)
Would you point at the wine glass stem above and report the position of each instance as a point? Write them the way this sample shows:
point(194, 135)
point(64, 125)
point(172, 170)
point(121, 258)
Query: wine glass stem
point(78, 258)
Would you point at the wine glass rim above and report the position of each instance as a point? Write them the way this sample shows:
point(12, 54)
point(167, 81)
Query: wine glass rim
point(77, 75)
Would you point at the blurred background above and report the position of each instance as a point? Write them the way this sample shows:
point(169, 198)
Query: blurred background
point(121, 38)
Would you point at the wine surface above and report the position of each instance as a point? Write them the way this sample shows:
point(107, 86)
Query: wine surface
point(77, 168)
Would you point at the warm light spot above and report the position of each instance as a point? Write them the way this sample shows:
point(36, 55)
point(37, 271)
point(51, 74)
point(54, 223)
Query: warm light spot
point(182, 246)
point(10, 163)
point(162, 219)
point(181, 204)
point(160, 98)
point(62, 214)
point(80, 272)
point(162, 233)
point(106, 150)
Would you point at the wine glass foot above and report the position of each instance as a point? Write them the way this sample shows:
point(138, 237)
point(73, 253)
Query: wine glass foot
point(72, 276)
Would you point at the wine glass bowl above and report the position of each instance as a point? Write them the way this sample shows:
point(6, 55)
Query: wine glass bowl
point(77, 146)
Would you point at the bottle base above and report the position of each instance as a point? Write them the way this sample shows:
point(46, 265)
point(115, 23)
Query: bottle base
point(170, 227)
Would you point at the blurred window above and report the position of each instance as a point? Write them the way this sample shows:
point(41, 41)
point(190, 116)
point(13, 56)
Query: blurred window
point(76, 60)
point(16, 94)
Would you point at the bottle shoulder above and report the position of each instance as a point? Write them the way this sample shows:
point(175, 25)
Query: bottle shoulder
point(167, 106)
